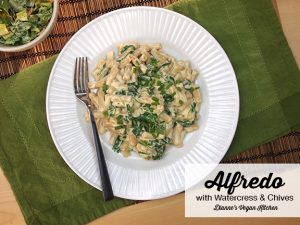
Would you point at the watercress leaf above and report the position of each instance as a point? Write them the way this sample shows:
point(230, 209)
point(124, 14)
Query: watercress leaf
point(150, 90)
point(129, 110)
point(185, 123)
point(117, 143)
point(193, 107)
point(111, 110)
point(132, 89)
point(178, 81)
point(124, 56)
point(121, 92)
point(155, 101)
point(137, 128)
point(143, 80)
point(159, 146)
point(145, 143)
point(152, 67)
point(165, 64)
point(105, 87)
point(127, 47)
point(169, 97)
point(120, 120)
point(119, 127)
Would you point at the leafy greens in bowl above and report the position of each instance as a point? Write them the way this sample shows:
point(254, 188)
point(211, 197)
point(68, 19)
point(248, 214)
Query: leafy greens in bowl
point(22, 21)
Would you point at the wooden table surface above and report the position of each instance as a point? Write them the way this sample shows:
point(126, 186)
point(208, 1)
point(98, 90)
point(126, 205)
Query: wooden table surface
point(170, 210)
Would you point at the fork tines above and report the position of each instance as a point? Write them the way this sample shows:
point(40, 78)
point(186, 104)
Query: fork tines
point(81, 75)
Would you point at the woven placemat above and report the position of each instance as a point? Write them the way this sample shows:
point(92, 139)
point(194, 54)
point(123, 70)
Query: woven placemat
point(73, 14)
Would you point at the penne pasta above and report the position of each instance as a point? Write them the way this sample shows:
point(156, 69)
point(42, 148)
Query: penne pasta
point(145, 99)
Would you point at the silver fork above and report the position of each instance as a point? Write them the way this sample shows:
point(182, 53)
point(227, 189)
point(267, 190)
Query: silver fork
point(81, 78)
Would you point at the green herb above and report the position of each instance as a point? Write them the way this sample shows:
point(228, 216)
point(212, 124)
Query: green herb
point(111, 110)
point(169, 97)
point(178, 81)
point(180, 102)
point(159, 146)
point(125, 53)
point(105, 87)
point(136, 62)
point(185, 123)
point(155, 101)
point(145, 143)
point(105, 72)
point(21, 21)
point(117, 144)
point(137, 70)
point(120, 120)
point(143, 80)
point(105, 113)
point(152, 124)
point(121, 92)
point(170, 80)
point(165, 64)
point(150, 90)
point(193, 107)
point(127, 47)
point(137, 127)
point(129, 110)
point(147, 108)
point(159, 83)
point(127, 118)
point(149, 122)
point(167, 110)
point(119, 127)
point(152, 68)
point(161, 87)
point(133, 89)
point(101, 70)
point(187, 84)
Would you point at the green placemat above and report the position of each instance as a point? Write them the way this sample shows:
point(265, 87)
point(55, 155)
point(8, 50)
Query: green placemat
point(267, 74)
point(48, 192)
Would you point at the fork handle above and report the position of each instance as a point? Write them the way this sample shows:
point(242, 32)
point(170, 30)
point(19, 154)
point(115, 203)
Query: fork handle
point(106, 185)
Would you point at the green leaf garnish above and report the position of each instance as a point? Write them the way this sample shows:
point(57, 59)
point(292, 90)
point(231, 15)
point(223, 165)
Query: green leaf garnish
point(155, 101)
point(127, 47)
point(105, 87)
point(117, 144)
point(111, 110)
point(185, 123)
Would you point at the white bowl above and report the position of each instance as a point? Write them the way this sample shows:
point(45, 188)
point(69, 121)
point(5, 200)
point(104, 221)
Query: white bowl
point(38, 39)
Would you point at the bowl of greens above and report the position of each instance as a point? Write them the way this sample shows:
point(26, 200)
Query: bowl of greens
point(25, 23)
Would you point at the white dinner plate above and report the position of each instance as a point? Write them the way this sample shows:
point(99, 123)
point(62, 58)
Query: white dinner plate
point(134, 177)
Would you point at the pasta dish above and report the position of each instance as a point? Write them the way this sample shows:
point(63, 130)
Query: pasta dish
point(145, 98)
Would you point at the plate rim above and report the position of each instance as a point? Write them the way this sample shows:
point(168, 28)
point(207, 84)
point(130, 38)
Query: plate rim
point(237, 103)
